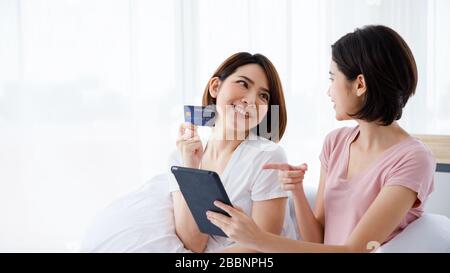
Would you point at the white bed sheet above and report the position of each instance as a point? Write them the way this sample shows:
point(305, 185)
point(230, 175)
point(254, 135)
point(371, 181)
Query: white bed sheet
point(141, 221)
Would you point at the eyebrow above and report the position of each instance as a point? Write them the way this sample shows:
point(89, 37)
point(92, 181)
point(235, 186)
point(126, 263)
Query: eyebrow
point(331, 73)
point(252, 82)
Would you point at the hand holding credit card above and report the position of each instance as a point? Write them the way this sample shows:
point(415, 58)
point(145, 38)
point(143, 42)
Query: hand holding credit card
point(200, 115)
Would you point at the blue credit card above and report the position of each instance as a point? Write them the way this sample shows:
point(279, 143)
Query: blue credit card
point(200, 115)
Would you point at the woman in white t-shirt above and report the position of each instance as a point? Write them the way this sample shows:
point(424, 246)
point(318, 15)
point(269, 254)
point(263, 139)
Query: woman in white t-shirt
point(250, 118)
point(242, 141)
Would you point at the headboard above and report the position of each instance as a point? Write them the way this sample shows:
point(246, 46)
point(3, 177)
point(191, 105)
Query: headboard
point(440, 147)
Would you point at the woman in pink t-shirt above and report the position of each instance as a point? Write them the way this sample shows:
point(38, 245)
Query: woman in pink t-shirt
point(375, 177)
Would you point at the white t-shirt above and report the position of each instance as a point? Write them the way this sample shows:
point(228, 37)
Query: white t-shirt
point(246, 182)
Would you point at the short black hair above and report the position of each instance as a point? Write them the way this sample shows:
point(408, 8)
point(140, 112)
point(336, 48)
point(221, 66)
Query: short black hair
point(384, 59)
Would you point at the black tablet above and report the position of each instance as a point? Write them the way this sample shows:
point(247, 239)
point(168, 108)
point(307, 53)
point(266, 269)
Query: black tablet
point(200, 188)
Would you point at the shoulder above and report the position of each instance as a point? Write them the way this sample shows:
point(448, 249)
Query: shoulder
point(338, 137)
point(418, 147)
point(340, 134)
point(412, 166)
point(265, 149)
point(416, 152)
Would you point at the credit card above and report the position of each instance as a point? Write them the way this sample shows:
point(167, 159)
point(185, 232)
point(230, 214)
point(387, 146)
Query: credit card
point(200, 115)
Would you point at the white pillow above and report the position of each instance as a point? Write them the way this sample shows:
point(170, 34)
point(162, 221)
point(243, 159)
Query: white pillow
point(142, 221)
point(429, 233)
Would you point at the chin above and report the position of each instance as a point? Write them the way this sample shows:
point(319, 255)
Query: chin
point(239, 131)
point(339, 117)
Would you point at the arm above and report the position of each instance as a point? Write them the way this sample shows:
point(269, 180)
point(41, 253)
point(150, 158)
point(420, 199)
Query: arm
point(379, 221)
point(268, 216)
point(190, 147)
point(310, 224)
point(185, 226)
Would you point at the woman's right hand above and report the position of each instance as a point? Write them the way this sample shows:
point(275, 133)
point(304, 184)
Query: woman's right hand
point(290, 177)
point(189, 145)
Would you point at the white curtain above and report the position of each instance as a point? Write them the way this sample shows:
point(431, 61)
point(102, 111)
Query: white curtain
point(91, 92)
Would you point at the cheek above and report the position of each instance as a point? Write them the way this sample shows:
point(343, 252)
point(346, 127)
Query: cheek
point(227, 95)
point(355, 104)
point(221, 98)
point(222, 101)
point(338, 93)
point(332, 91)
point(262, 111)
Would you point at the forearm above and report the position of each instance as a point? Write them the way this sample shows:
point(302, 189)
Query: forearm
point(236, 248)
point(311, 230)
point(272, 243)
point(185, 226)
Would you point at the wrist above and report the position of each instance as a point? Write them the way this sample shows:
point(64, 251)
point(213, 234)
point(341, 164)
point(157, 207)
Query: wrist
point(298, 192)
point(262, 240)
point(190, 164)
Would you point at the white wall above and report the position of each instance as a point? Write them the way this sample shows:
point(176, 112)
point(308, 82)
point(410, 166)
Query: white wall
point(87, 92)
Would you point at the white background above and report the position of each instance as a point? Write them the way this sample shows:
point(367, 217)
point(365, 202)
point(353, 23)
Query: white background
point(91, 91)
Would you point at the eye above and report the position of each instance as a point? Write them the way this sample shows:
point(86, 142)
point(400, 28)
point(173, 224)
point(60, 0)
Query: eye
point(331, 79)
point(264, 96)
point(243, 83)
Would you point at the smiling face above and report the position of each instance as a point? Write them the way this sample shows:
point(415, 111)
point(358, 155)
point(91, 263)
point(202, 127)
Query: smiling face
point(346, 95)
point(242, 99)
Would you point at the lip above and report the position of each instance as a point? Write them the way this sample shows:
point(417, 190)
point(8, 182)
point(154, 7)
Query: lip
point(241, 111)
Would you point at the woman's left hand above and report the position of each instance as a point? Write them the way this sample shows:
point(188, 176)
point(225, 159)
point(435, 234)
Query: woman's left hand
point(239, 227)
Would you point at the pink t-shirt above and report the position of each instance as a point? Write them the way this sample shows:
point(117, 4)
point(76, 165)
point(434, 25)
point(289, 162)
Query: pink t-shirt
point(408, 163)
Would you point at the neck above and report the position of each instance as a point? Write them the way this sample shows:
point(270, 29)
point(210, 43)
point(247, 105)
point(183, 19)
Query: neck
point(223, 141)
point(373, 136)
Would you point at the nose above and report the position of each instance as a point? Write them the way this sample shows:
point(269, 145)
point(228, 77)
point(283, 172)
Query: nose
point(328, 92)
point(249, 98)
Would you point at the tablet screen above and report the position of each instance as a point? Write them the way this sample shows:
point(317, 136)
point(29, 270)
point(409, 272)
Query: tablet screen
point(200, 188)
